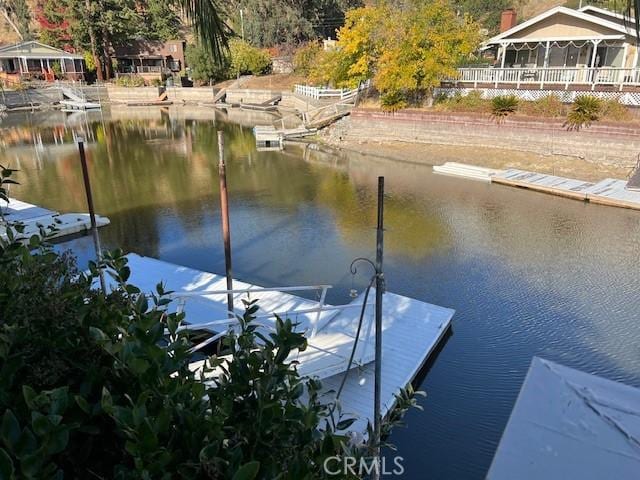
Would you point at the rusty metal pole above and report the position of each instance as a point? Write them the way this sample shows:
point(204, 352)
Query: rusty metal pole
point(377, 417)
point(92, 213)
point(224, 208)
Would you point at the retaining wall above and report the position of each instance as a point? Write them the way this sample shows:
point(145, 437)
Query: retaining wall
point(609, 143)
point(206, 94)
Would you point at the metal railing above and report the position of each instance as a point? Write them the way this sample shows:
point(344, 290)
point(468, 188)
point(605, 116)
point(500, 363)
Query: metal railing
point(563, 76)
point(227, 323)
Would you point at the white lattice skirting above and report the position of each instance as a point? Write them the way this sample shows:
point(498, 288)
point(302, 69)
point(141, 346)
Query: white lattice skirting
point(626, 98)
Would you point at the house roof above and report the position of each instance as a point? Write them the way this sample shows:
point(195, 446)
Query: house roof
point(570, 424)
point(34, 49)
point(616, 29)
point(608, 13)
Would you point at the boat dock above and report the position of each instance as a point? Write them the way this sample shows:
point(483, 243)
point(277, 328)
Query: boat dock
point(412, 329)
point(610, 191)
point(34, 217)
point(570, 424)
point(73, 101)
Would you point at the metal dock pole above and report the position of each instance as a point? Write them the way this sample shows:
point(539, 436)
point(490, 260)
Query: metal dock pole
point(226, 231)
point(379, 291)
point(92, 214)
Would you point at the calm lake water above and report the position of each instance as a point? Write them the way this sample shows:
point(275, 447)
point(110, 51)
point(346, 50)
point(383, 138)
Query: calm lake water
point(528, 274)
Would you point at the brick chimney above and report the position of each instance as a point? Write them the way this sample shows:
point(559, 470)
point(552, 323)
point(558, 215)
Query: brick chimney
point(508, 20)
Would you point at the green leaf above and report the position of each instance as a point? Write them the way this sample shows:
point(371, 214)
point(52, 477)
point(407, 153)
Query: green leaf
point(6, 465)
point(344, 424)
point(248, 471)
point(30, 396)
point(83, 404)
point(40, 424)
point(9, 429)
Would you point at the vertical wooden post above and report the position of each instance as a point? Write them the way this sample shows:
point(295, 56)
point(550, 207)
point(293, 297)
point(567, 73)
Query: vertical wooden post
point(224, 208)
point(377, 418)
point(92, 214)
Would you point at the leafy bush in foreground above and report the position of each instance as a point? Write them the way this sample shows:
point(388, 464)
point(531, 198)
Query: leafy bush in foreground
point(93, 387)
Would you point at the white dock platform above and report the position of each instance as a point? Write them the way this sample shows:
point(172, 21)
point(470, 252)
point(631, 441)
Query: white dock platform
point(472, 172)
point(609, 191)
point(411, 331)
point(569, 424)
point(32, 217)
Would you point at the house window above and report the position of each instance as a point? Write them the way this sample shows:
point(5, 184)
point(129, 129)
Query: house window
point(174, 48)
point(615, 57)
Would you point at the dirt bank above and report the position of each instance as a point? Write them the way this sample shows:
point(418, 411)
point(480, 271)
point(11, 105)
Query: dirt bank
point(483, 156)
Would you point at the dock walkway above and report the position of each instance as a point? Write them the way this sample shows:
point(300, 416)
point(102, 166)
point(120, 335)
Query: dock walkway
point(32, 217)
point(610, 191)
point(411, 331)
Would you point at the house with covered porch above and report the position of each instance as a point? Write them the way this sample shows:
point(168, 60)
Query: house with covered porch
point(34, 60)
point(589, 49)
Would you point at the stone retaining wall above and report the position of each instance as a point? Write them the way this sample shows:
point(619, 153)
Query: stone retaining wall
point(205, 94)
point(609, 143)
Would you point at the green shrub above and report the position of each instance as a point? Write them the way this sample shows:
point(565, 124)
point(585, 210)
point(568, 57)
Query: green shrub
point(472, 102)
point(548, 106)
point(306, 57)
point(203, 67)
point(504, 105)
point(393, 101)
point(585, 110)
point(130, 81)
point(245, 59)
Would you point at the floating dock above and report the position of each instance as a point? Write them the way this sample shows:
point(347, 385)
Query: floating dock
point(411, 330)
point(34, 217)
point(610, 191)
point(471, 172)
point(75, 101)
point(568, 424)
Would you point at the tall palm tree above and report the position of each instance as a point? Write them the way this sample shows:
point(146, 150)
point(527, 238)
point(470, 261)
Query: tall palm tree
point(207, 23)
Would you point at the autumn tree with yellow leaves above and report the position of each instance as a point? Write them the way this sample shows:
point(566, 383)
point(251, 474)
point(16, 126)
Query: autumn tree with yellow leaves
point(406, 50)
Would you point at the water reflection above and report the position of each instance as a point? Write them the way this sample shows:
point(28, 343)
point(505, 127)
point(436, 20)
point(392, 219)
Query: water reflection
point(528, 274)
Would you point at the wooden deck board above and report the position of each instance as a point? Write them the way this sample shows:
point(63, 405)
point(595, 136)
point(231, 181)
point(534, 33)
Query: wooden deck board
point(610, 191)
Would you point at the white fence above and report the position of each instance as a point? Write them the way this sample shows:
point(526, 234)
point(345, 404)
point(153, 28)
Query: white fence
point(540, 77)
point(330, 93)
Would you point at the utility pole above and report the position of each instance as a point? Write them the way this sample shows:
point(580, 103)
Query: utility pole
point(242, 23)
point(226, 231)
point(92, 214)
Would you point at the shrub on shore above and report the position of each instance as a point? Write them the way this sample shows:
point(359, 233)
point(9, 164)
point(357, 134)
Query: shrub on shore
point(504, 105)
point(245, 59)
point(615, 111)
point(472, 102)
point(306, 57)
point(585, 110)
point(130, 81)
point(548, 106)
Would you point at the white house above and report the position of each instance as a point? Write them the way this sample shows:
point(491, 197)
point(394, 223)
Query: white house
point(586, 49)
point(36, 60)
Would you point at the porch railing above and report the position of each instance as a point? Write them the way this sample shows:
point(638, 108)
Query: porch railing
point(540, 77)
